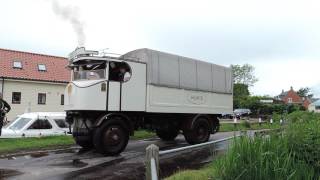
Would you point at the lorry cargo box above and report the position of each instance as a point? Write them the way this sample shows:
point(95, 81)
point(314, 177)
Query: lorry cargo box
point(164, 69)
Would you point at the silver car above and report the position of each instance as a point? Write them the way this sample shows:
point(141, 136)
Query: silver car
point(36, 124)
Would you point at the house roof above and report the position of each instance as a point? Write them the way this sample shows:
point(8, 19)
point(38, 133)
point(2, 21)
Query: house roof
point(282, 95)
point(56, 70)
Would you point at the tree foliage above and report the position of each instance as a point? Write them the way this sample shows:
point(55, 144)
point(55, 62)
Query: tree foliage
point(305, 92)
point(240, 93)
point(244, 74)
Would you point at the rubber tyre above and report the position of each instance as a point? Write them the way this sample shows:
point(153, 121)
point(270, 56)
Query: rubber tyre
point(84, 142)
point(167, 135)
point(112, 137)
point(199, 133)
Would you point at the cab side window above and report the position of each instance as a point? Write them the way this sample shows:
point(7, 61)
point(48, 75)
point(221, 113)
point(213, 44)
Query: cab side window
point(41, 124)
point(119, 71)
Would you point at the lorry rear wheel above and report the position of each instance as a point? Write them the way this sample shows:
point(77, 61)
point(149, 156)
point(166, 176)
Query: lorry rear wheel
point(167, 135)
point(199, 133)
point(84, 142)
point(112, 137)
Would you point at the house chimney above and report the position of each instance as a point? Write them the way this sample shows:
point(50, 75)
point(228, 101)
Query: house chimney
point(291, 88)
point(282, 91)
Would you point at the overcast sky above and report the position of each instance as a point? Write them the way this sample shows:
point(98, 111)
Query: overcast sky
point(281, 39)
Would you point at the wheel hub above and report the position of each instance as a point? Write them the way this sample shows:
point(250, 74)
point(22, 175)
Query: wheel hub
point(112, 136)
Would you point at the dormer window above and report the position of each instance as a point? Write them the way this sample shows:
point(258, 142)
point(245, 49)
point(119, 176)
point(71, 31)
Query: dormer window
point(42, 67)
point(17, 64)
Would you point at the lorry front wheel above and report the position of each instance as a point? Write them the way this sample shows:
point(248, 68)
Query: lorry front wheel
point(84, 141)
point(167, 135)
point(199, 133)
point(112, 137)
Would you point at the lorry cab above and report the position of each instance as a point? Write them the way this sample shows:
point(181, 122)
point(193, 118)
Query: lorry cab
point(105, 83)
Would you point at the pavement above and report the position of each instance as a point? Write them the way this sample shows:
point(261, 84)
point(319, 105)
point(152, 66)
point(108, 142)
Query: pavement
point(76, 163)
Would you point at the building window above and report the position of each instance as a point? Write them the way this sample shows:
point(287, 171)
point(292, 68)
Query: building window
point(16, 97)
point(17, 64)
point(41, 98)
point(62, 99)
point(42, 67)
point(289, 100)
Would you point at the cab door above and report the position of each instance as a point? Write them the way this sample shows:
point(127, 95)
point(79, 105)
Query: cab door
point(126, 86)
point(133, 91)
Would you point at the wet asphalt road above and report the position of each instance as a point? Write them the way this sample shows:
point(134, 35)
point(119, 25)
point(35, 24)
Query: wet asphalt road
point(72, 163)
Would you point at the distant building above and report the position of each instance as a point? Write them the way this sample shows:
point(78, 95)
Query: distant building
point(32, 82)
point(292, 97)
point(314, 107)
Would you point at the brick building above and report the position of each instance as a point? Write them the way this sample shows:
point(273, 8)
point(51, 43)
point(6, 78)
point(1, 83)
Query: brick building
point(292, 97)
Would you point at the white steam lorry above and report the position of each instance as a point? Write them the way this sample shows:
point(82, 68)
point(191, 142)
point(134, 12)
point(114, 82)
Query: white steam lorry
point(108, 97)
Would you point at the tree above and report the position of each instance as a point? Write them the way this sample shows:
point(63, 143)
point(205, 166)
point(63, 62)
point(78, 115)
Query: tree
point(244, 74)
point(243, 78)
point(305, 92)
point(240, 93)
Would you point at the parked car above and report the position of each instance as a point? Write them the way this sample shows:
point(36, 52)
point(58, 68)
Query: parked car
point(227, 116)
point(36, 124)
point(241, 112)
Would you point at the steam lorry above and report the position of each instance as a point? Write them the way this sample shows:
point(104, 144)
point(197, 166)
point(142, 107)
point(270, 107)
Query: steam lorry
point(109, 97)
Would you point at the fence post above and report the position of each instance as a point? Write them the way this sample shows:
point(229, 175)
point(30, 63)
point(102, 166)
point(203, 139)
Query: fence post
point(235, 122)
point(152, 151)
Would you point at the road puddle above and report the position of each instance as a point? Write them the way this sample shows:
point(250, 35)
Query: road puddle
point(5, 173)
point(38, 154)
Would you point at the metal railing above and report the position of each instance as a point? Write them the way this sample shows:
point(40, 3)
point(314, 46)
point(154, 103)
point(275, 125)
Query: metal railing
point(153, 153)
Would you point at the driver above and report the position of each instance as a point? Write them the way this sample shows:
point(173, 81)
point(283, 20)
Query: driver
point(124, 75)
point(4, 108)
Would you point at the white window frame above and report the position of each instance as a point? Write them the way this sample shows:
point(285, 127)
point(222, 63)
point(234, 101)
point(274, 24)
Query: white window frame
point(289, 100)
point(42, 67)
point(17, 64)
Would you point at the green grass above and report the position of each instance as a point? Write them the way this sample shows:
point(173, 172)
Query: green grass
point(205, 173)
point(261, 158)
point(37, 143)
point(293, 155)
point(225, 127)
point(251, 159)
point(143, 134)
point(22, 144)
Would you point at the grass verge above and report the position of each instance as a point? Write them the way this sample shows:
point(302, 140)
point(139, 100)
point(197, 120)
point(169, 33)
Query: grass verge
point(143, 134)
point(51, 142)
point(293, 155)
point(225, 127)
point(23, 144)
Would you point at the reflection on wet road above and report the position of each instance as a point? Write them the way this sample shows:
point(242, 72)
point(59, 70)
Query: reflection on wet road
point(74, 163)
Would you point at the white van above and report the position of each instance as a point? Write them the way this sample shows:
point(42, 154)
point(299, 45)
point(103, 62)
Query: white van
point(36, 124)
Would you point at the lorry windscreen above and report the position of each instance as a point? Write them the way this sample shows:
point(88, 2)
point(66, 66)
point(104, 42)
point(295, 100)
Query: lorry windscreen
point(89, 71)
